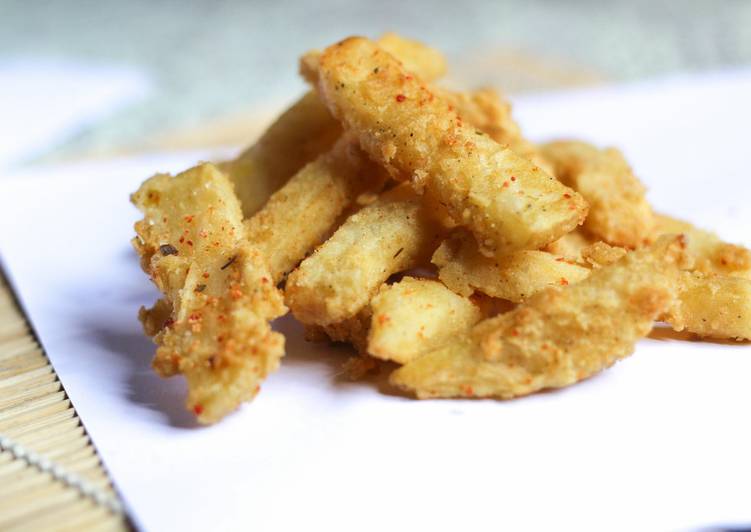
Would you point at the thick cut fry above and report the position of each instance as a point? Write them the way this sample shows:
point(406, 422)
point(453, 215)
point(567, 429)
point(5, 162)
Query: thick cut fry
point(514, 277)
point(505, 200)
point(489, 112)
point(338, 280)
point(714, 306)
point(219, 296)
point(303, 212)
point(618, 210)
point(414, 316)
point(558, 337)
point(712, 254)
point(297, 137)
point(416, 57)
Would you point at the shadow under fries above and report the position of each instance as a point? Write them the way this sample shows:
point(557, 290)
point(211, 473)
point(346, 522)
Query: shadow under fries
point(664, 333)
point(332, 356)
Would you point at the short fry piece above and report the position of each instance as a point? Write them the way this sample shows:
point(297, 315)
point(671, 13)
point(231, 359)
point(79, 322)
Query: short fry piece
point(336, 282)
point(219, 296)
point(414, 316)
point(619, 212)
point(711, 253)
point(506, 201)
point(514, 277)
point(557, 337)
point(713, 306)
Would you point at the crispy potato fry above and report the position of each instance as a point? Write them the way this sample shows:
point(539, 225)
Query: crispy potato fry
point(338, 280)
point(489, 112)
point(712, 254)
point(571, 245)
point(219, 296)
point(414, 316)
point(306, 130)
point(352, 330)
point(416, 57)
point(300, 215)
point(298, 136)
point(714, 306)
point(557, 337)
point(504, 199)
point(619, 212)
point(514, 277)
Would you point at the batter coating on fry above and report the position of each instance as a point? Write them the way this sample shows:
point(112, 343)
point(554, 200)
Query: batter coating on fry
point(414, 316)
point(506, 201)
point(619, 212)
point(337, 281)
point(219, 295)
point(712, 255)
point(558, 337)
point(514, 277)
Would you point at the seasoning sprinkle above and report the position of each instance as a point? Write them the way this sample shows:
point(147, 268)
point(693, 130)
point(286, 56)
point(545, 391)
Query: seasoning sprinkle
point(167, 249)
point(229, 262)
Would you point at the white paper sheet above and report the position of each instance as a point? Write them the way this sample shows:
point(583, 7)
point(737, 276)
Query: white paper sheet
point(659, 442)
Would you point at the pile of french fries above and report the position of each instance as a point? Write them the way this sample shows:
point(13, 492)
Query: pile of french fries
point(419, 225)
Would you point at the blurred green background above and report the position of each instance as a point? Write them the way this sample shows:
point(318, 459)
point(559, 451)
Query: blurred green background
point(214, 59)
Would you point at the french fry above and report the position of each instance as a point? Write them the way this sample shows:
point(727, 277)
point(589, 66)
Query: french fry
point(301, 214)
point(506, 201)
point(307, 130)
point(712, 306)
point(427, 62)
point(298, 136)
point(557, 337)
point(337, 281)
point(619, 212)
point(305, 210)
point(514, 277)
point(711, 253)
point(219, 296)
point(489, 112)
point(414, 316)
point(571, 245)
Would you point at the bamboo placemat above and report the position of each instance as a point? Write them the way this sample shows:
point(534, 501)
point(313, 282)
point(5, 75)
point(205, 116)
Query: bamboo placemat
point(51, 477)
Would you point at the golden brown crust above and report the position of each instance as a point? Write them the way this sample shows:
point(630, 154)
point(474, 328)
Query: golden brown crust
point(619, 212)
point(218, 291)
point(559, 336)
point(504, 199)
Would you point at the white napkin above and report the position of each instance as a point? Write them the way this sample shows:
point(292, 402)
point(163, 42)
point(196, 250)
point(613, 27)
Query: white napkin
point(660, 441)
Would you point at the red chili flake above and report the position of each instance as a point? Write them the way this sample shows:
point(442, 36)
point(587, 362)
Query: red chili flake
point(205, 275)
point(513, 178)
point(190, 242)
point(198, 409)
point(564, 281)
point(383, 318)
point(264, 280)
point(400, 98)
point(194, 317)
point(567, 195)
point(189, 218)
point(514, 332)
point(182, 239)
point(469, 390)
point(169, 322)
point(505, 184)
point(408, 77)
point(560, 259)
